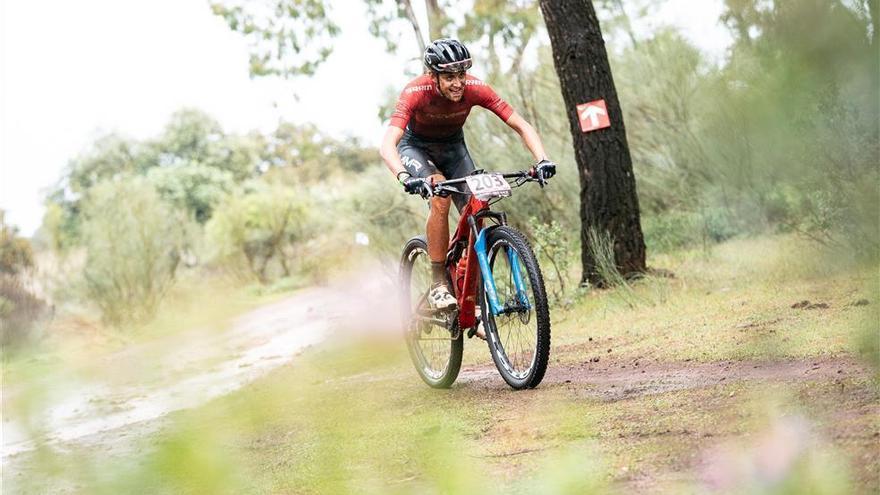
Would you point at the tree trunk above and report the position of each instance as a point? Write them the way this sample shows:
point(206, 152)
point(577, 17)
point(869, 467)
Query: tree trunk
point(874, 11)
point(627, 25)
point(411, 17)
point(436, 19)
point(609, 203)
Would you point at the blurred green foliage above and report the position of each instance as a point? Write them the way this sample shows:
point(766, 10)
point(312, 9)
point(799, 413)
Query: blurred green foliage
point(278, 31)
point(19, 307)
point(16, 252)
point(379, 208)
point(194, 188)
point(20, 312)
point(194, 194)
point(782, 135)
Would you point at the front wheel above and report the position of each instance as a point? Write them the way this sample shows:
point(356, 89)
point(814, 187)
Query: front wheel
point(519, 338)
point(433, 338)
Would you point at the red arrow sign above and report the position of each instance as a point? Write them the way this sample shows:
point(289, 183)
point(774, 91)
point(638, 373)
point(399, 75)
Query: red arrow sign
point(593, 115)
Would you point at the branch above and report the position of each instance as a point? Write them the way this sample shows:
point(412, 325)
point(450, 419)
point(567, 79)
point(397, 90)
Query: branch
point(411, 16)
point(509, 454)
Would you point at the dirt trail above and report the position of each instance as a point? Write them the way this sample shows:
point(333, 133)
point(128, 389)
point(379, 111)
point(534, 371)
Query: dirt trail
point(139, 385)
point(838, 407)
point(622, 379)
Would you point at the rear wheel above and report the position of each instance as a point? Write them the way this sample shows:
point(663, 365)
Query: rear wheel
point(519, 338)
point(433, 338)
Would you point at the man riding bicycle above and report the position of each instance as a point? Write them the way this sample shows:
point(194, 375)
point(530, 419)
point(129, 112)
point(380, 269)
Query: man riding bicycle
point(425, 144)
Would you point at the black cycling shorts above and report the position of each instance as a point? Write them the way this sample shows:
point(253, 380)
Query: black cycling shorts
point(448, 157)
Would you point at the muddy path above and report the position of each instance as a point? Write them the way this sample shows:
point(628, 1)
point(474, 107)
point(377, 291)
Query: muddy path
point(125, 395)
point(618, 379)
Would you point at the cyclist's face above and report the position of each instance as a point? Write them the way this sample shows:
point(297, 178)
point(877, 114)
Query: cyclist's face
point(451, 85)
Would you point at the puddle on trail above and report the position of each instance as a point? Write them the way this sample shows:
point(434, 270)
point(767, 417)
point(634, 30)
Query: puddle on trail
point(186, 371)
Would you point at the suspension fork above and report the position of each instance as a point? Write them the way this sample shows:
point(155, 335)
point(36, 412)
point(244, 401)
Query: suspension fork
point(482, 253)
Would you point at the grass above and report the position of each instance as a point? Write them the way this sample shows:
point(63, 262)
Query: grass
point(739, 299)
point(352, 417)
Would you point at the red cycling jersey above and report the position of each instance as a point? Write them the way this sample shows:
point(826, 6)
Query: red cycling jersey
point(432, 115)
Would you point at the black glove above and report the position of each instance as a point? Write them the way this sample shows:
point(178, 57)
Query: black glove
point(415, 185)
point(545, 169)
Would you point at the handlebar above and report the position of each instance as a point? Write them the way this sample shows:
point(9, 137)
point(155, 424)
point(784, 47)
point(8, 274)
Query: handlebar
point(444, 188)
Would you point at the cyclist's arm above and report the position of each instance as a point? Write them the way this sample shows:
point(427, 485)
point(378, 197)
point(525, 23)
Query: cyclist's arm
point(529, 137)
point(388, 150)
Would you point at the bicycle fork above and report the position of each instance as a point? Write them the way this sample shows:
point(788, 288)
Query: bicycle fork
point(481, 250)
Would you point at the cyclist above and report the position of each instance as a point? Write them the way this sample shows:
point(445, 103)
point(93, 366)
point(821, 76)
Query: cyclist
point(425, 144)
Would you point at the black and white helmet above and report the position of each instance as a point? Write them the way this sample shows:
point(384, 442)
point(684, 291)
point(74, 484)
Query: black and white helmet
point(447, 55)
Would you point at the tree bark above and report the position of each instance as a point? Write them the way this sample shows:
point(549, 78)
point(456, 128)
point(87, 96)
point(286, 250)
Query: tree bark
point(609, 203)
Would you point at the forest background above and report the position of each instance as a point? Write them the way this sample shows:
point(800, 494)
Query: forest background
point(780, 136)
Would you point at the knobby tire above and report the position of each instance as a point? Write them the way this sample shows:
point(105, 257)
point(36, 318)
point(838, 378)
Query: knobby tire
point(537, 337)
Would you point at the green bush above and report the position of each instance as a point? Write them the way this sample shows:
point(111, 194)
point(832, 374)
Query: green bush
point(193, 187)
point(553, 247)
point(718, 225)
point(261, 232)
point(132, 240)
point(670, 231)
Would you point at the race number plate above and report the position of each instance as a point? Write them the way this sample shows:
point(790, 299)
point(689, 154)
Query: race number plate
point(485, 186)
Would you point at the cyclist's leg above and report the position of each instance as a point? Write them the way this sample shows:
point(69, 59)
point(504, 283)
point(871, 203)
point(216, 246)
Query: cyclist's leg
point(455, 162)
point(419, 164)
point(437, 231)
point(438, 226)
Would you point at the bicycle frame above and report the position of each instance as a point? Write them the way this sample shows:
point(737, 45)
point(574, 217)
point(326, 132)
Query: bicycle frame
point(471, 232)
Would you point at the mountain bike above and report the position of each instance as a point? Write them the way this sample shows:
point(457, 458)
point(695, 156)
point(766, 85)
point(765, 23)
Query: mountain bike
point(496, 280)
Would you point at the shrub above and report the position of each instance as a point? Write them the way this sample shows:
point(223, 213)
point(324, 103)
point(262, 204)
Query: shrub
point(194, 187)
point(669, 231)
point(718, 225)
point(20, 311)
point(132, 240)
point(261, 230)
point(552, 244)
point(16, 254)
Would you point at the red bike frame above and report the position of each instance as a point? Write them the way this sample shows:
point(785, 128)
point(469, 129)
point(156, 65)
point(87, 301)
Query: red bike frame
point(465, 272)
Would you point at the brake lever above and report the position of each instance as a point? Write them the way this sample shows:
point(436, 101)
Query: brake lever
point(541, 180)
point(429, 191)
